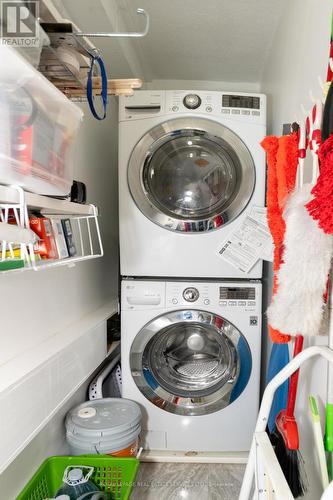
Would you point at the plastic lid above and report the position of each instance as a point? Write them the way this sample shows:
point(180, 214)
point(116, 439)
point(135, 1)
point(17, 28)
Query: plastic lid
point(112, 415)
point(75, 475)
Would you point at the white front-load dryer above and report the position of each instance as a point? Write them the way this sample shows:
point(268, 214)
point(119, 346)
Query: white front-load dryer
point(190, 169)
point(190, 356)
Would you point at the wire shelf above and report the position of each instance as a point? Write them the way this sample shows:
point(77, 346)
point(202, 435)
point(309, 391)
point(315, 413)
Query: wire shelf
point(84, 227)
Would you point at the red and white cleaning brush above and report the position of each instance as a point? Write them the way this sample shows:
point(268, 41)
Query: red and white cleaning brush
point(298, 305)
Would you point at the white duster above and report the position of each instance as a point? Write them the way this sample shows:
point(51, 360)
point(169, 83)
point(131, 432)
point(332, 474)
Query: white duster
point(298, 305)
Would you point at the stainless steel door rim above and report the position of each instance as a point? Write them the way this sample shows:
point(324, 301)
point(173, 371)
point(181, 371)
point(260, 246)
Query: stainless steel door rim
point(191, 175)
point(190, 362)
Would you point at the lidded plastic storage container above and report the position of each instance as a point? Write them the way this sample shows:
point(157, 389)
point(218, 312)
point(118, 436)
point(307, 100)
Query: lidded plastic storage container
point(109, 426)
point(38, 125)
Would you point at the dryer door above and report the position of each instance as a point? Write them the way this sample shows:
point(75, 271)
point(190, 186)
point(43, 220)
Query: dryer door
point(191, 175)
point(190, 362)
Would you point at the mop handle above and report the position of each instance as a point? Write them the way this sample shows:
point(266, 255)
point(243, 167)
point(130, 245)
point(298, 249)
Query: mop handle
point(328, 437)
point(330, 334)
point(294, 379)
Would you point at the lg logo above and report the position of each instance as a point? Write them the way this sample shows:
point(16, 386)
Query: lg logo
point(19, 25)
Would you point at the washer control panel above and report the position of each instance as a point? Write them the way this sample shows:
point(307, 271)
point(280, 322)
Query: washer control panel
point(191, 294)
point(220, 296)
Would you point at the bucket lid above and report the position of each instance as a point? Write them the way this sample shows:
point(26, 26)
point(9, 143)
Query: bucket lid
point(102, 443)
point(101, 416)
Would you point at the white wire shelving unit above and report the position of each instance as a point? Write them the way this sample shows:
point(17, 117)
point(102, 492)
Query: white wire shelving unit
point(84, 225)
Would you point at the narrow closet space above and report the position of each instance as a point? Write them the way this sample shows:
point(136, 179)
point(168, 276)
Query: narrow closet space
point(166, 222)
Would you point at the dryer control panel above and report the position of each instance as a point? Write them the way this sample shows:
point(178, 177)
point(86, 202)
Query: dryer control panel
point(240, 107)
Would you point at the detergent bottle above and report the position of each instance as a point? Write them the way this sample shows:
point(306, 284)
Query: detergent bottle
point(76, 484)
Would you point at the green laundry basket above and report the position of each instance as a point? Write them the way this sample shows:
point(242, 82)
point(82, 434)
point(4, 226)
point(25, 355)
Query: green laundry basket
point(111, 475)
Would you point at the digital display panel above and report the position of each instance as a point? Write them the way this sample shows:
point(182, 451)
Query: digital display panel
point(246, 293)
point(240, 101)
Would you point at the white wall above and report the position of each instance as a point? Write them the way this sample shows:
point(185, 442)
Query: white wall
point(202, 85)
point(299, 54)
point(49, 442)
point(35, 306)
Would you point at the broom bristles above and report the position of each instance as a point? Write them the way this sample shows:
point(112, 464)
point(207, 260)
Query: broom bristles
point(291, 463)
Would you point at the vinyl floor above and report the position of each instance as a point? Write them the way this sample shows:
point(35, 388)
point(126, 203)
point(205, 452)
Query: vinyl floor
point(178, 481)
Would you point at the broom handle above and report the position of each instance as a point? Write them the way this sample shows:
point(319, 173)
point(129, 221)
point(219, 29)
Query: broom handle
point(294, 379)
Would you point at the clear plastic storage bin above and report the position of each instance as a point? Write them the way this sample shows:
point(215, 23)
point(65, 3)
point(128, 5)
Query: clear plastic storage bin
point(38, 125)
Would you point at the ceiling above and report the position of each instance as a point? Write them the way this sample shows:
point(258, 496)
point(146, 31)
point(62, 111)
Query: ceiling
point(212, 40)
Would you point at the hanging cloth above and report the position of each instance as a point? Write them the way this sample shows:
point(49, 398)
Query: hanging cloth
point(286, 167)
point(282, 160)
point(282, 166)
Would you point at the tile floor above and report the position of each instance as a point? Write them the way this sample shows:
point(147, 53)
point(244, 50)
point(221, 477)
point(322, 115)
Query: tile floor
point(176, 481)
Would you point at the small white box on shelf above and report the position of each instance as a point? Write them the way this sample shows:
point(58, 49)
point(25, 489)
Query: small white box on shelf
point(59, 238)
point(38, 125)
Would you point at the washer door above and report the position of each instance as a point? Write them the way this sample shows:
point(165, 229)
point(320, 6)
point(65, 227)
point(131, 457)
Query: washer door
point(191, 175)
point(190, 362)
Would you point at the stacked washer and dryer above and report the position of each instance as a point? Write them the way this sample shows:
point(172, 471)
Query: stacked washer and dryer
point(190, 169)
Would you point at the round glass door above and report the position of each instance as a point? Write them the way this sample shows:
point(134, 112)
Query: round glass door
point(191, 175)
point(190, 362)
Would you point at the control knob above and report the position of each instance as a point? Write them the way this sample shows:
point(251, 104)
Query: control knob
point(192, 101)
point(191, 294)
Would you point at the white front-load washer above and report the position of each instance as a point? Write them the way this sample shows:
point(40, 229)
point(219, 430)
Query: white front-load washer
point(190, 356)
point(190, 169)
